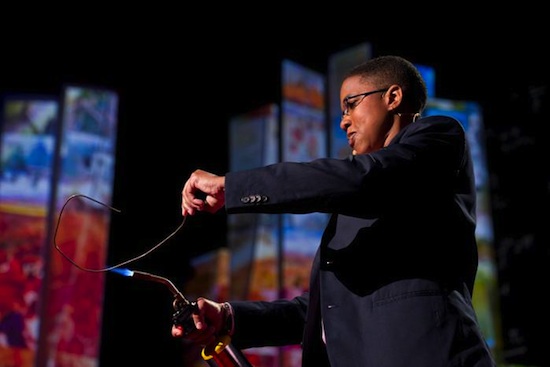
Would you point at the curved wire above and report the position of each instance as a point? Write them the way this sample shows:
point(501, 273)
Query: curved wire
point(118, 211)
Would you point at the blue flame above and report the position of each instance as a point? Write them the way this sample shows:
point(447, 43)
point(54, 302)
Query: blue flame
point(124, 271)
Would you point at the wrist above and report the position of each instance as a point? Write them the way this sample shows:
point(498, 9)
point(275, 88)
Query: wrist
point(227, 319)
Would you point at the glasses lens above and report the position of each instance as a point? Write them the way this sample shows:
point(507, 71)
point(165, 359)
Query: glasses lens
point(347, 107)
point(356, 99)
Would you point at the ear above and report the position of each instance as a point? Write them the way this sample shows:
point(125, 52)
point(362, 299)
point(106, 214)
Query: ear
point(394, 97)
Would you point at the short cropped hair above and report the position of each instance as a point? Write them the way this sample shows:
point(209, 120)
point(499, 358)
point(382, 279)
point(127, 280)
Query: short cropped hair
point(383, 71)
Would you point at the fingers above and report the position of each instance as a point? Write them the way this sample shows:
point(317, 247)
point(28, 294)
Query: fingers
point(201, 337)
point(190, 203)
point(211, 204)
point(203, 191)
point(198, 319)
point(177, 331)
point(206, 321)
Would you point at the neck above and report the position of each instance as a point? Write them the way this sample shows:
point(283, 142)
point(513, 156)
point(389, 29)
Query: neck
point(400, 120)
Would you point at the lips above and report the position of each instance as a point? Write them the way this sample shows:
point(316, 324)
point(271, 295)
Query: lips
point(351, 139)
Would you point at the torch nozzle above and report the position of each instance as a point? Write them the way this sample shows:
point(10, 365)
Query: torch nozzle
point(155, 278)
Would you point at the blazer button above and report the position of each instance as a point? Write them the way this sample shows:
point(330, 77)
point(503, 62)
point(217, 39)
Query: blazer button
point(264, 199)
point(245, 200)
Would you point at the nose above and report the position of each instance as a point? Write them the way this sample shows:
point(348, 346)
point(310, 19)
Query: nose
point(345, 122)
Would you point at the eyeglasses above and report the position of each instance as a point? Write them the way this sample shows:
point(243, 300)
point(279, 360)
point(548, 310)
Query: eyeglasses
point(350, 103)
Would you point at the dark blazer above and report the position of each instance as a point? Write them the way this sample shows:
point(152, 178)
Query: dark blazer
point(392, 277)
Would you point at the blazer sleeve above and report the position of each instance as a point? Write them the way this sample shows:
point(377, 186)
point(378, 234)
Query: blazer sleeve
point(263, 323)
point(423, 157)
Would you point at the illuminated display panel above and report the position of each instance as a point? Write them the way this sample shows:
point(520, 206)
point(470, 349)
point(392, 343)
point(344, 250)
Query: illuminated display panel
point(428, 74)
point(338, 64)
point(28, 139)
point(72, 324)
point(304, 138)
point(253, 239)
point(486, 294)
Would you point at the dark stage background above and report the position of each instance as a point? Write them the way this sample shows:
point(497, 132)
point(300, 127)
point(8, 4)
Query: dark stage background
point(179, 85)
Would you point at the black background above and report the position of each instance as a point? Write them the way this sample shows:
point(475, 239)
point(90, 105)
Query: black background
point(180, 77)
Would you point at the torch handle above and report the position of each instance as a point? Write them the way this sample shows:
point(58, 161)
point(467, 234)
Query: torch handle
point(219, 354)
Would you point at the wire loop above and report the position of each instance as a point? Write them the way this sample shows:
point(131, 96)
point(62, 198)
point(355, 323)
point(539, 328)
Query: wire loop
point(115, 210)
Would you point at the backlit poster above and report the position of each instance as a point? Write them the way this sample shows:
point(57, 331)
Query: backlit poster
point(486, 294)
point(72, 325)
point(253, 239)
point(338, 64)
point(303, 138)
point(28, 139)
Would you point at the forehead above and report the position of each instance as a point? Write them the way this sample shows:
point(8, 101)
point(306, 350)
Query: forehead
point(354, 85)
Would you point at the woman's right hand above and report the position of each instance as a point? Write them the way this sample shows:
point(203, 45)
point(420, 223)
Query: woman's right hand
point(208, 321)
